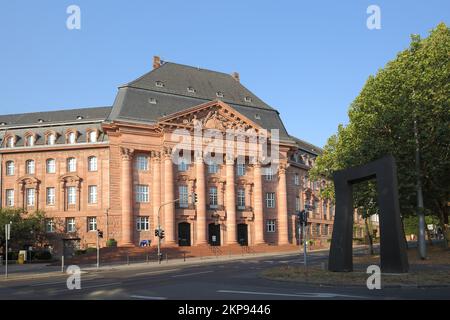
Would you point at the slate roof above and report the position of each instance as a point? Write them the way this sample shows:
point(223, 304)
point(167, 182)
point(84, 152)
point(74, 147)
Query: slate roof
point(306, 146)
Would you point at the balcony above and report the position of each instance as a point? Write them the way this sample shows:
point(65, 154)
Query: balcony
point(185, 206)
point(244, 208)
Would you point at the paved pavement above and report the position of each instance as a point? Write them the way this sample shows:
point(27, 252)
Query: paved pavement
point(222, 279)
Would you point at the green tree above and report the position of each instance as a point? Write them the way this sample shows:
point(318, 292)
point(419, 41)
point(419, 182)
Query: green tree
point(413, 86)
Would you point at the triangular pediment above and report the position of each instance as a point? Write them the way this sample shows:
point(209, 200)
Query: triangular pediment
point(212, 115)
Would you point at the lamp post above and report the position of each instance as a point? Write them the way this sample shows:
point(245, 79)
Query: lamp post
point(420, 212)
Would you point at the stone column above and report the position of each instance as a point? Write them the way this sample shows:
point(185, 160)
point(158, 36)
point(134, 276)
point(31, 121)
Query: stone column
point(258, 204)
point(282, 206)
point(169, 209)
point(200, 189)
point(220, 193)
point(230, 203)
point(127, 196)
point(156, 189)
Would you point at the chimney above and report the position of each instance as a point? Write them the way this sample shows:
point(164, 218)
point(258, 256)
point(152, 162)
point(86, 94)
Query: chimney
point(156, 62)
point(235, 75)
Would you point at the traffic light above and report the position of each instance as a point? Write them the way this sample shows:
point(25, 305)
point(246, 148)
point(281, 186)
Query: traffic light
point(303, 217)
point(100, 233)
point(161, 235)
point(194, 197)
point(156, 232)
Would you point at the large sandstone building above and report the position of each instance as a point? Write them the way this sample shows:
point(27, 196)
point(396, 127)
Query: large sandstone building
point(110, 168)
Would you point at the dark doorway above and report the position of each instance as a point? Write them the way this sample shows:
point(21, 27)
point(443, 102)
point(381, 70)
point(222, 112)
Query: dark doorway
point(214, 234)
point(243, 234)
point(184, 234)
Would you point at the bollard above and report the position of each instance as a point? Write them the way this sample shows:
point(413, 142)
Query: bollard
point(167, 258)
point(62, 264)
point(184, 256)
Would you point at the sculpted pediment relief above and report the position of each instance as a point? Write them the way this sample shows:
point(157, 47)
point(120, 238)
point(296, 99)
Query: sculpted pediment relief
point(70, 178)
point(28, 180)
point(216, 115)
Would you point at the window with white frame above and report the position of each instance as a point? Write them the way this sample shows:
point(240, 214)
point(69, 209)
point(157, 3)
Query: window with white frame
point(213, 167)
point(142, 163)
point(92, 224)
point(30, 167)
point(296, 179)
point(70, 225)
point(51, 166)
point(270, 199)
point(30, 141)
point(10, 168)
point(10, 197)
point(49, 225)
point(316, 206)
point(241, 198)
point(213, 197)
point(331, 210)
point(241, 169)
point(182, 166)
point(297, 204)
point(270, 225)
point(92, 163)
point(71, 165)
point(93, 136)
point(30, 193)
point(92, 194)
point(268, 174)
point(142, 224)
point(324, 210)
point(71, 195)
point(10, 142)
point(51, 139)
point(142, 193)
point(183, 196)
point(51, 196)
point(71, 138)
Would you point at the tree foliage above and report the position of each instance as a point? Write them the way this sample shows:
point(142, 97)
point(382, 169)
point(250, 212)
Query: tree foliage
point(413, 86)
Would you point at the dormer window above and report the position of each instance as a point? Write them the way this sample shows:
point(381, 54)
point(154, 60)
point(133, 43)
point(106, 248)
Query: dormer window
point(191, 90)
point(219, 94)
point(2, 123)
point(41, 120)
point(30, 141)
point(152, 101)
point(51, 139)
point(248, 99)
point(92, 136)
point(80, 117)
point(10, 142)
point(71, 136)
point(257, 117)
point(159, 84)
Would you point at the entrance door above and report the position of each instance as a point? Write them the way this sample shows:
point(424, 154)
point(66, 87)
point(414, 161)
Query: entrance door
point(184, 234)
point(243, 234)
point(214, 234)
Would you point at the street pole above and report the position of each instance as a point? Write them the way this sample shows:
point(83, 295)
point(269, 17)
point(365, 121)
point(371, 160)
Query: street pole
point(305, 239)
point(159, 227)
point(420, 211)
point(98, 252)
point(7, 237)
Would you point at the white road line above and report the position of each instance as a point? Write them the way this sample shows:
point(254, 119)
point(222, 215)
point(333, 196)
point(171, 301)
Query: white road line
point(191, 274)
point(148, 297)
point(100, 285)
point(299, 295)
point(154, 272)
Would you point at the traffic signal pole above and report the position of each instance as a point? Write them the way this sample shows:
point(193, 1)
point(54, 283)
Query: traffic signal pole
point(98, 251)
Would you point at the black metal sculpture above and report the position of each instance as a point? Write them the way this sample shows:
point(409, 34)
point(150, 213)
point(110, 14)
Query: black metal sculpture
point(392, 241)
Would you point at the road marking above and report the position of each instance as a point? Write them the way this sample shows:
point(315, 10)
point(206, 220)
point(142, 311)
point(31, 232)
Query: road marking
point(300, 295)
point(154, 272)
point(148, 297)
point(101, 285)
point(190, 274)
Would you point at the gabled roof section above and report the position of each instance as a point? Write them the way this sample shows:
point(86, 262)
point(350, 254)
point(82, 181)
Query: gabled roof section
point(177, 79)
point(306, 146)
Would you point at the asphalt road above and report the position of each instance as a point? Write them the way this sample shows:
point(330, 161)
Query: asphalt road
point(229, 280)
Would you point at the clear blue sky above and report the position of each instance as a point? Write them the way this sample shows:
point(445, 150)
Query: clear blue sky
point(308, 59)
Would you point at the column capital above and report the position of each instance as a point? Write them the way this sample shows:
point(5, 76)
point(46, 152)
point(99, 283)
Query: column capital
point(167, 152)
point(155, 155)
point(282, 168)
point(126, 153)
point(229, 159)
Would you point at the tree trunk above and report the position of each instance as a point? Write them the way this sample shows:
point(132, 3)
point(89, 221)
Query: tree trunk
point(369, 236)
point(443, 222)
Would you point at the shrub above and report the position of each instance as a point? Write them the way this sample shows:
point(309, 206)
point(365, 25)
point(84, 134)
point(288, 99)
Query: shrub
point(111, 243)
point(43, 255)
point(79, 252)
point(91, 249)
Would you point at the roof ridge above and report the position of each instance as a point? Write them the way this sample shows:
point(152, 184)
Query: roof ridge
point(54, 111)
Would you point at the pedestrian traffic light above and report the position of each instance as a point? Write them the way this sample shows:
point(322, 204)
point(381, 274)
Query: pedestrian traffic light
point(161, 235)
point(100, 233)
point(156, 232)
point(194, 195)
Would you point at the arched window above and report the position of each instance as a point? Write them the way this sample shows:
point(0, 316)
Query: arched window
point(30, 167)
point(10, 142)
point(71, 165)
point(30, 140)
point(51, 166)
point(51, 139)
point(10, 168)
point(71, 137)
point(92, 163)
point(92, 136)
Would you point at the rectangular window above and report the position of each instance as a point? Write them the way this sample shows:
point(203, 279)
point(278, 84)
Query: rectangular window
point(71, 195)
point(270, 199)
point(49, 226)
point(183, 196)
point(30, 167)
point(297, 204)
point(30, 197)
point(92, 163)
point(213, 197)
point(71, 165)
point(142, 163)
point(51, 196)
point(325, 230)
point(324, 210)
point(316, 206)
point(10, 168)
point(142, 194)
point(92, 198)
point(296, 179)
point(213, 168)
point(270, 225)
point(51, 166)
point(142, 224)
point(92, 224)
point(241, 169)
point(10, 198)
point(268, 174)
point(70, 225)
point(182, 166)
point(241, 199)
